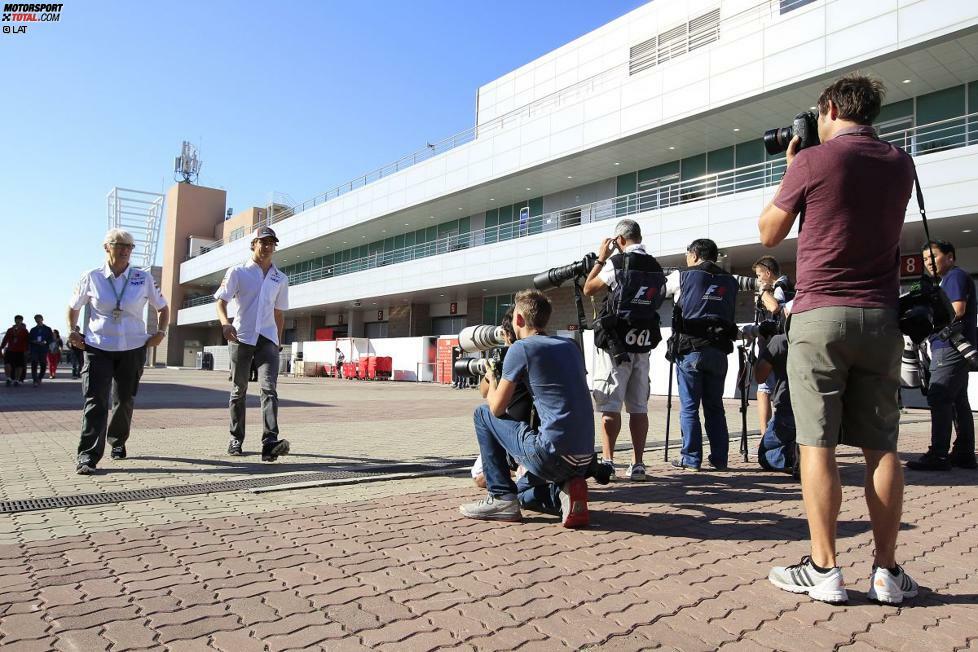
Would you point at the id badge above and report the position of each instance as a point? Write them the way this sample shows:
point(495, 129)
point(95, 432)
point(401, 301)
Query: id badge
point(116, 315)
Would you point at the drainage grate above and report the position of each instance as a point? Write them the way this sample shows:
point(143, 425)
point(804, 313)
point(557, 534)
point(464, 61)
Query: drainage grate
point(111, 497)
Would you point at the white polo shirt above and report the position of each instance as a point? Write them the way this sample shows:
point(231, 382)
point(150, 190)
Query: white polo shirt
point(255, 296)
point(100, 289)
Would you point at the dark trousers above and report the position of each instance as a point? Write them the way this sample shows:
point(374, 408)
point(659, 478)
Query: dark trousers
point(701, 375)
point(77, 359)
point(108, 376)
point(39, 363)
point(947, 396)
point(264, 354)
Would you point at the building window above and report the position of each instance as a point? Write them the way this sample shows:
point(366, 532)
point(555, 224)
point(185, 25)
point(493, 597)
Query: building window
point(236, 234)
point(675, 42)
point(791, 5)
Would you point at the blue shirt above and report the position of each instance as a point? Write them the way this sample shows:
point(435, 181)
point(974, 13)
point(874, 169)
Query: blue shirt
point(959, 287)
point(553, 367)
point(40, 336)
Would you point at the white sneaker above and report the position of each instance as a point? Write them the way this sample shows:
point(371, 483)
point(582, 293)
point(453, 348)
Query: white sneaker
point(888, 588)
point(803, 578)
point(491, 508)
point(636, 473)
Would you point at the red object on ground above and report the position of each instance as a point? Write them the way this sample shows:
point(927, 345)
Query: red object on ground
point(385, 367)
point(371, 367)
point(362, 368)
point(349, 370)
point(443, 363)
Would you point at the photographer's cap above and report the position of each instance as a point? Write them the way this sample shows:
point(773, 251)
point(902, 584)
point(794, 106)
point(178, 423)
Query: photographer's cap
point(264, 232)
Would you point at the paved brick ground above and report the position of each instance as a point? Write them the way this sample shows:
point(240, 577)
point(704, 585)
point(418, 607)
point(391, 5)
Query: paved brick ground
point(678, 562)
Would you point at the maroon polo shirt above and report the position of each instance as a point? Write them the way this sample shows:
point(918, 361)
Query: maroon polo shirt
point(854, 189)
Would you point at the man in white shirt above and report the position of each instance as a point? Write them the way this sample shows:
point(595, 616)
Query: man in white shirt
point(628, 330)
point(260, 292)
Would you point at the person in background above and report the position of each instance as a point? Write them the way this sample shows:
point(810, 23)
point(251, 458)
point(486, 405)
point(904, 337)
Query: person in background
point(76, 356)
point(54, 353)
point(40, 339)
point(14, 347)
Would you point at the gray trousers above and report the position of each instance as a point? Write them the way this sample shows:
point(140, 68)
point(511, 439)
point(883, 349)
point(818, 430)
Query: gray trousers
point(108, 376)
point(265, 355)
point(947, 397)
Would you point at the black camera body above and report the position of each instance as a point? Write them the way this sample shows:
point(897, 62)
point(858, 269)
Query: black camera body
point(924, 310)
point(805, 126)
point(555, 276)
point(478, 367)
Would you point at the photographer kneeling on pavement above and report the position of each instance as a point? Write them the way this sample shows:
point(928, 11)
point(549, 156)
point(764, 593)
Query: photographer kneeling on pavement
point(844, 332)
point(776, 452)
point(947, 394)
point(626, 331)
point(558, 453)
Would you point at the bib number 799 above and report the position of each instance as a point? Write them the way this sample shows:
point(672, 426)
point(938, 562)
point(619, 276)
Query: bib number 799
point(636, 337)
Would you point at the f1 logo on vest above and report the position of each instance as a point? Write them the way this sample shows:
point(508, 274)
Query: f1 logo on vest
point(714, 293)
point(645, 295)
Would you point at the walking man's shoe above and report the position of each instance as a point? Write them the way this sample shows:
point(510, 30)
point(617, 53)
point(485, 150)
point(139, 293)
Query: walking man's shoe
point(272, 453)
point(963, 460)
point(492, 508)
point(118, 452)
point(573, 503)
point(888, 587)
point(84, 469)
point(827, 586)
point(234, 447)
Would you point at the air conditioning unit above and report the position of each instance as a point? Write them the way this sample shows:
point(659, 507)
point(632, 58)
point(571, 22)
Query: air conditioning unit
point(357, 304)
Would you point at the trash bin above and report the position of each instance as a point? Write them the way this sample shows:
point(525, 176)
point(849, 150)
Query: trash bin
point(207, 361)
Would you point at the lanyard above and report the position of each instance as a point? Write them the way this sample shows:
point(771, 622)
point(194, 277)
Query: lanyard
point(120, 293)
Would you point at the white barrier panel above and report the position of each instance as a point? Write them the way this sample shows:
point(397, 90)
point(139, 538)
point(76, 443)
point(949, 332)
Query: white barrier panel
point(409, 355)
point(222, 359)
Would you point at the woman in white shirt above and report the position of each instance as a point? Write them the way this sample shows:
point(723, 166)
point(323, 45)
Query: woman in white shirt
point(115, 342)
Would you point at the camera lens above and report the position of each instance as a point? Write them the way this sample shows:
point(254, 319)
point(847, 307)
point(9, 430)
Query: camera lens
point(777, 140)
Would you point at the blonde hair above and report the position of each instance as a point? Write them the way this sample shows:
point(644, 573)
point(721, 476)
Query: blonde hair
point(535, 308)
point(118, 235)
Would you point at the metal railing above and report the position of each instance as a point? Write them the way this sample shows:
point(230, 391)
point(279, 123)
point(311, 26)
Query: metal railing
point(924, 139)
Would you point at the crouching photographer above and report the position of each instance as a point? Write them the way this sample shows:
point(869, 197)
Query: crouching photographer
point(953, 356)
point(776, 451)
point(558, 452)
point(626, 330)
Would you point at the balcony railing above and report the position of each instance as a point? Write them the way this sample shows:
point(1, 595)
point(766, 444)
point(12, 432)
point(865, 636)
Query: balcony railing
point(924, 139)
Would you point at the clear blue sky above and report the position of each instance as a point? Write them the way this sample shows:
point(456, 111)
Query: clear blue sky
point(293, 97)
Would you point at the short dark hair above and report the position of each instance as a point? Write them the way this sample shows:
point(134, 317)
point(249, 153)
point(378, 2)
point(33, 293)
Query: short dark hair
point(768, 262)
point(857, 97)
point(943, 246)
point(506, 323)
point(534, 306)
point(20, 317)
point(41, 317)
point(704, 248)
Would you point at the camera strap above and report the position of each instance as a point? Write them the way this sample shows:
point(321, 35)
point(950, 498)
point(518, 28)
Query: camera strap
point(923, 212)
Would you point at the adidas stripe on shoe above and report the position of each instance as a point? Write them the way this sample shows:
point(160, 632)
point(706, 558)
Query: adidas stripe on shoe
point(803, 578)
point(887, 588)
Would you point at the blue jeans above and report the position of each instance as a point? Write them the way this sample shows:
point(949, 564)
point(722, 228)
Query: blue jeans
point(701, 375)
point(538, 489)
point(947, 396)
point(776, 452)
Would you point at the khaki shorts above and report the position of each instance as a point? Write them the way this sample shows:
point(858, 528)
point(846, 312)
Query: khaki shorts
point(626, 383)
point(844, 377)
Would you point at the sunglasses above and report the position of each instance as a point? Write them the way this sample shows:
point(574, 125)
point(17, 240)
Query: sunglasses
point(122, 245)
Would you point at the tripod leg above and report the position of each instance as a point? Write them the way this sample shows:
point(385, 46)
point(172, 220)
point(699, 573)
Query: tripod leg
point(668, 412)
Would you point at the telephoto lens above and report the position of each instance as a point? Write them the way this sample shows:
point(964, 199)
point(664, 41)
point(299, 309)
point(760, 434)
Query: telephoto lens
point(965, 348)
point(910, 375)
point(471, 367)
point(473, 339)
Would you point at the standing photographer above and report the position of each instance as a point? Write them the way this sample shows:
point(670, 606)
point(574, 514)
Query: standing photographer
point(703, 333)
point(635, 283)
point(947, 394)
point(845, 340)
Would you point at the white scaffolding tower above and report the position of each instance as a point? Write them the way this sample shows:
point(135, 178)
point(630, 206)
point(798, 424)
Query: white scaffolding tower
point(140, 213)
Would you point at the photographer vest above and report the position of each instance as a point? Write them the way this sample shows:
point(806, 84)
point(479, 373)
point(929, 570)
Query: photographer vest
point(630, 315)
point(704, 315)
